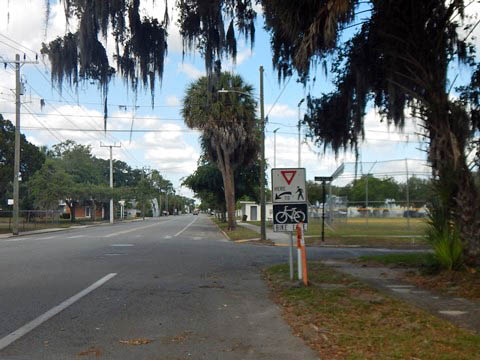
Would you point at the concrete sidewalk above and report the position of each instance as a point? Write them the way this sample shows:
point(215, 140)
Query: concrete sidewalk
point(279, 238)
point(460, 311)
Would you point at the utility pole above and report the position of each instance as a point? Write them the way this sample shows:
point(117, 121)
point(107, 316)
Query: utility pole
point(408, 196)
point(16, 166)
point(111, 176)
point(143, 195)
point(263, 233)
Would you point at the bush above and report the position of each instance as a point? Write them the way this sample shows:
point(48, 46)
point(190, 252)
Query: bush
point(445, 238)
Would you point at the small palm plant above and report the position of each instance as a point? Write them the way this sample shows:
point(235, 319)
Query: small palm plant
point(444, 236)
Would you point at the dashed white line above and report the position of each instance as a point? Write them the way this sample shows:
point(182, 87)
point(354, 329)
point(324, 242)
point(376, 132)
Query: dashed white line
point(121, 245)
point(136, 229)
point(185, 228)
point(75, 237)
point(17, 334)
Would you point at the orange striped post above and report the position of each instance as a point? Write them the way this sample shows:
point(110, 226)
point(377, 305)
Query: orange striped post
point(302, 269)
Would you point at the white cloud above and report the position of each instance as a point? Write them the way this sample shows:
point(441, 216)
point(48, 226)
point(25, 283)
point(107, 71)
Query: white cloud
point(172, 100)
point(26, 26)
point(281, 111)
point(191, 71)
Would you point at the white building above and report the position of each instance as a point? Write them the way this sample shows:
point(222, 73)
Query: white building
point(252, 210)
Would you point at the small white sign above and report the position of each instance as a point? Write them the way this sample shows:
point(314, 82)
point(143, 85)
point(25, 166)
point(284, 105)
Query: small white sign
point(288, 227)
point(10, 201)
point(289, 185)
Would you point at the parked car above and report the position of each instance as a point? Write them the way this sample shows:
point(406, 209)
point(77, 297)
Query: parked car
point(413, 214)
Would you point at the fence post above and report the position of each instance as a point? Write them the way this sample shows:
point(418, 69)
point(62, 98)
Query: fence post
point(408, 196)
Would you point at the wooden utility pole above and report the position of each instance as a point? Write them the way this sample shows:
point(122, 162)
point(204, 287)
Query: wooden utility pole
point(263, 233)
point(111, 176)
point(16, 166)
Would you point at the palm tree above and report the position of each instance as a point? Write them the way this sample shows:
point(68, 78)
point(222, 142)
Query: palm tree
point(228, 125)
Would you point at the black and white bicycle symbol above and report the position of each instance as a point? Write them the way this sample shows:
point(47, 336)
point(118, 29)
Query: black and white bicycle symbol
point(292, 214)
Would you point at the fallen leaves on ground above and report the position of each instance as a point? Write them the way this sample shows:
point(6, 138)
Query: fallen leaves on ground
point(356, 322)
point(455, 283)
point(93, 351)
point(139, 341)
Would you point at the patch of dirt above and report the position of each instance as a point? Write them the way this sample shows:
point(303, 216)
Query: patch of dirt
point(181, 338)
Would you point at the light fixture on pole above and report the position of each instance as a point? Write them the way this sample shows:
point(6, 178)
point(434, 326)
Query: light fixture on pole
point(275, 147)
point(299, 135)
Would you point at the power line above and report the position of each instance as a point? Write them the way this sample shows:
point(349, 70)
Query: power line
point(48, 81)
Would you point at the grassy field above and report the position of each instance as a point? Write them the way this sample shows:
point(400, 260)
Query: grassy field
point(342, 318)
point(390, 232)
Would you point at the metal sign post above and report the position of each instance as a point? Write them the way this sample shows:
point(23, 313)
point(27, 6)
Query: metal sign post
point(289, 197)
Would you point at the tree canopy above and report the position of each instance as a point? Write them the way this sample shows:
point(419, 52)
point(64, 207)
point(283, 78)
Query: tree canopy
point(31, 160)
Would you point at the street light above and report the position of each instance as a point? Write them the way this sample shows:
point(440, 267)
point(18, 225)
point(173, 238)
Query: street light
point(275, 147)
point(263, 233)
point(299, 135)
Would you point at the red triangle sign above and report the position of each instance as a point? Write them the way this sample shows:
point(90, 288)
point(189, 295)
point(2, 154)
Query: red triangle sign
point(288, 175)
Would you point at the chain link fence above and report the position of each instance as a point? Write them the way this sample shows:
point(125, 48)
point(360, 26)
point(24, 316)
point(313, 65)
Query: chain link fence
point(403, 212)
point(32, 220)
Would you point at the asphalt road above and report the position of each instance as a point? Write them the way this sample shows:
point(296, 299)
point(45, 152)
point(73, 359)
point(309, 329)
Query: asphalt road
point(176, 281)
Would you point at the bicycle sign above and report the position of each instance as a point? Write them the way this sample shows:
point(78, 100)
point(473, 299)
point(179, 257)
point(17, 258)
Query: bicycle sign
point(287, 216)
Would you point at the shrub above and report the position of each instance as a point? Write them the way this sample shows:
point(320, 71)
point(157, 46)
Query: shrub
point(444, 237)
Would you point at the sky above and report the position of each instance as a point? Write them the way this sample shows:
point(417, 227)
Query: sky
point(160, 139)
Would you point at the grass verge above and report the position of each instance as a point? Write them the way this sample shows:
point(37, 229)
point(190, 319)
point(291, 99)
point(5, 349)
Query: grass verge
point(240, 233)
point(342, 318)
point(464, 283)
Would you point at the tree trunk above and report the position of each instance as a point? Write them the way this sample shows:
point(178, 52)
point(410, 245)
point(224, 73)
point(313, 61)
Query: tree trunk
point(94, 214)
point(71, 206)
point(458, 195)
point(225, 166)
point(229, 186)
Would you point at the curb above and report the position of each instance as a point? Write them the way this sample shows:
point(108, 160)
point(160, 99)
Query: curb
point(47, 231)
point(218, 227)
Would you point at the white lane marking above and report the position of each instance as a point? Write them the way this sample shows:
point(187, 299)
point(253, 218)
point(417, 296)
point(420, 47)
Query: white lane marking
point(185, 228)
point(121, 245)
point(167, 237)
point(47, 238)
point(197, 238)
point(75, 237)
point(17, 334)
point(136, 229)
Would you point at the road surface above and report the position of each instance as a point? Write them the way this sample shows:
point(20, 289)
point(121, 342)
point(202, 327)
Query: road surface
point(176, 281)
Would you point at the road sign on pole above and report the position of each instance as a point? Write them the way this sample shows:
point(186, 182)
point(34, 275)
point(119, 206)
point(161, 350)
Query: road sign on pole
point(289, 186)
point(289, 197)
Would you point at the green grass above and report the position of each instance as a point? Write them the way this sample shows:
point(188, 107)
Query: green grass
point(409, 260)
point(240, 233)
point(348, 320)
point(386, 227)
